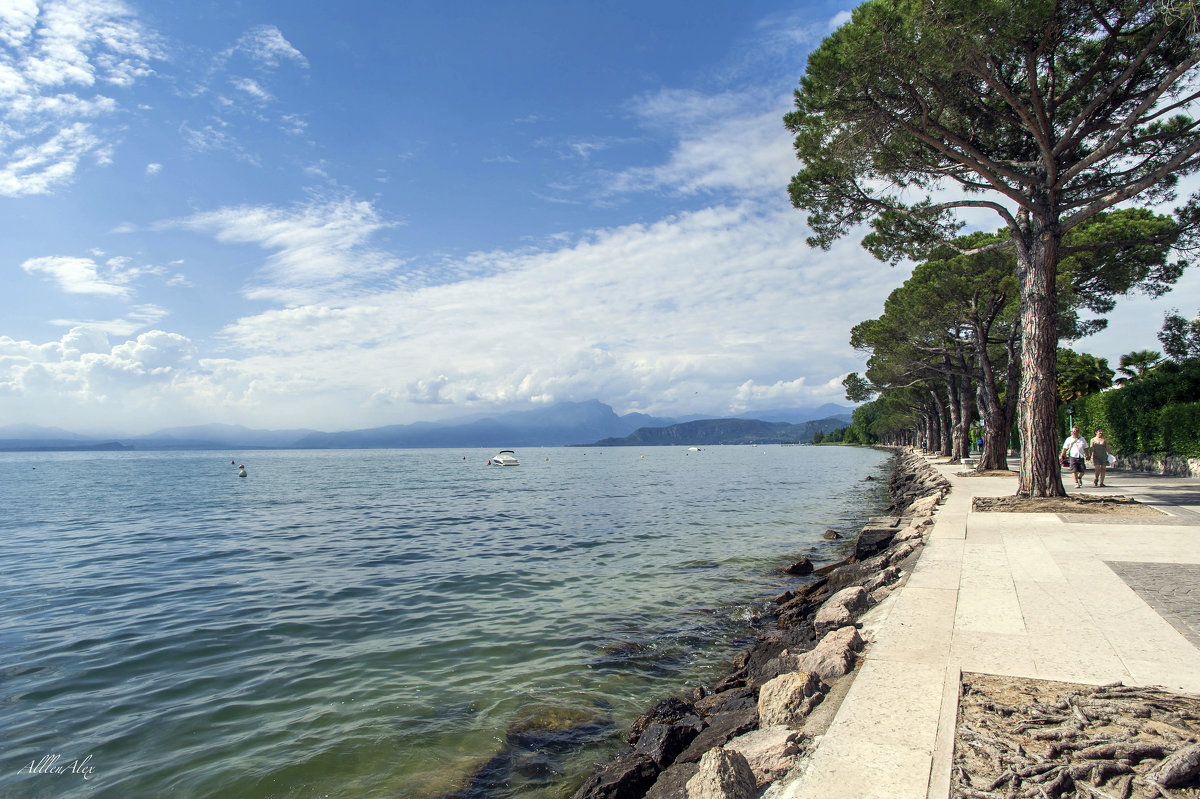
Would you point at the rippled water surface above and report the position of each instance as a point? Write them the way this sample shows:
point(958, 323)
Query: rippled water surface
point(384, 623)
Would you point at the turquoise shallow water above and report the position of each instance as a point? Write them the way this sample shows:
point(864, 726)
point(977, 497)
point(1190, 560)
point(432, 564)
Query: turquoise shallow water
point(380, 623)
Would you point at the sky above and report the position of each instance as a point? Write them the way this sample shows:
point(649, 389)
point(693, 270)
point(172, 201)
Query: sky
point(286, 214)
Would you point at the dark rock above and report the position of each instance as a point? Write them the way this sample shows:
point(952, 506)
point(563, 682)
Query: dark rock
point(627, 777)
point(724, 701)
point(664, 711)
point(721, 729)
point(797, 639)
point(832, 535)
point(737, 705)
point(828, 567)
point(785, 597)
point(813, 587)
point(662, 743)
point(795, 613)
point(672, 783)
point(800, 567)
point(852, 574)
point(535, 750)
point(735, 680)
point(872, 541)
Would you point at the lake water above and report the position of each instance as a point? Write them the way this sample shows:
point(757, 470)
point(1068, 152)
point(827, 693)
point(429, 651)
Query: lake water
point(381, 623)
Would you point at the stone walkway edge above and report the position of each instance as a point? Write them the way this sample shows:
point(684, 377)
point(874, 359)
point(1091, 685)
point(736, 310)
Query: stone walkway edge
point(1033, 595)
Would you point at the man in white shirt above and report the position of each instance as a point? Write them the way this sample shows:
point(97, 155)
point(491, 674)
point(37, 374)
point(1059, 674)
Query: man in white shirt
point(1074, 448)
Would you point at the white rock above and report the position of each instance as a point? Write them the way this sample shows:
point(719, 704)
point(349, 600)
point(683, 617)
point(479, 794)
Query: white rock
point(838, 610)
point(834, 655)
point(723, 774)
point(770, 751)
point(788, 698)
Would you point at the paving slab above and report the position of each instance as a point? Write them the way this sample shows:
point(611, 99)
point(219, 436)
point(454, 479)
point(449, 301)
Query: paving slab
point(1068, 597)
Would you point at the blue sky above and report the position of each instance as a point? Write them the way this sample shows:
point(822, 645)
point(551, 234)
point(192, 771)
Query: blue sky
point(282, 214)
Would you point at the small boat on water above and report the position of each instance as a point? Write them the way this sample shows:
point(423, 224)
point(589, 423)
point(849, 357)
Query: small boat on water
point(506, 458)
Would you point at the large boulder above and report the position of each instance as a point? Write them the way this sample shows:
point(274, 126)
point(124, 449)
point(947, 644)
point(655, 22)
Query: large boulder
point(886, 577)
point(788, 698)
point(834, 656)
point(662, 743)
point(664, 711)
point(733, 699)
point(721, 728)
point(627, 777)
point(853, 574)
point(873, 540)
point(839, 610)
point(924, 505)
point(801, 567)
point(723, 774)
point(672, 783)
point(770, 751)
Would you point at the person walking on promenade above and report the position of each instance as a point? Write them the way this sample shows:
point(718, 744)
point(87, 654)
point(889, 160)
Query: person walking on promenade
point(1073, 448)
point(1099, 456)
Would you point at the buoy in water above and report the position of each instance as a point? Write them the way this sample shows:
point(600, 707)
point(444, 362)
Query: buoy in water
point(241, 471)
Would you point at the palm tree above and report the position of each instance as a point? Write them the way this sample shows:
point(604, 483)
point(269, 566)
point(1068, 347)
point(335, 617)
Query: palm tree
point(1136, 364)
point(1080, 374)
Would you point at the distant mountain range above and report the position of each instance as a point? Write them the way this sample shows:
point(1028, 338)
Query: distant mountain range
point(567, 423)
point(712, 432)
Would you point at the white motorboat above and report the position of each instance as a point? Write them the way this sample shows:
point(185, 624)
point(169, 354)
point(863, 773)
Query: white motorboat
point(506, 458)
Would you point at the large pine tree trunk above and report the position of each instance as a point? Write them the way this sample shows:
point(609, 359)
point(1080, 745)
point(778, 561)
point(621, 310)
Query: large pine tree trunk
point(955, 407)
point(966, 415)
point(1037, 264)
point(931, 430)
point(997, 416)
point(945, 433)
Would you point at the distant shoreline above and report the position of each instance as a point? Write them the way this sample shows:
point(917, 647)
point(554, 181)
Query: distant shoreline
point(109, 446)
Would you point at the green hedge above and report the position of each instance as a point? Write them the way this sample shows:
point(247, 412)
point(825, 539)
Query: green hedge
point(1156, 414)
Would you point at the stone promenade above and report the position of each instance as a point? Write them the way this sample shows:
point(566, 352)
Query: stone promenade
point(1074, 598)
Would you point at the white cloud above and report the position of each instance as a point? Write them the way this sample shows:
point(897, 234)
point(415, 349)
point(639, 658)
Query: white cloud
point(83, 371)
point(293, 124)
point(839, 19)
point(732, 141)
point(716, 311)
point(209, 138)
point(153, 169)
point(266, 45)
point(711, 308)
point(252, 88)
point(318, 249)
point(138, 318)
point(262, 52)
point(113, 277)
point(58, 59)
point(40, 167)
point(79, 275)
point(786, 392)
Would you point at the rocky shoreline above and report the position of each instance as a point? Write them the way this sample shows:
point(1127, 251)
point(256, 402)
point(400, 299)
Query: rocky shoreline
point(740, 738)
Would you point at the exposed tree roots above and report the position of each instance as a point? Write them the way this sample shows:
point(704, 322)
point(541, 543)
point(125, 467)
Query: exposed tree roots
point(1034, 739)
